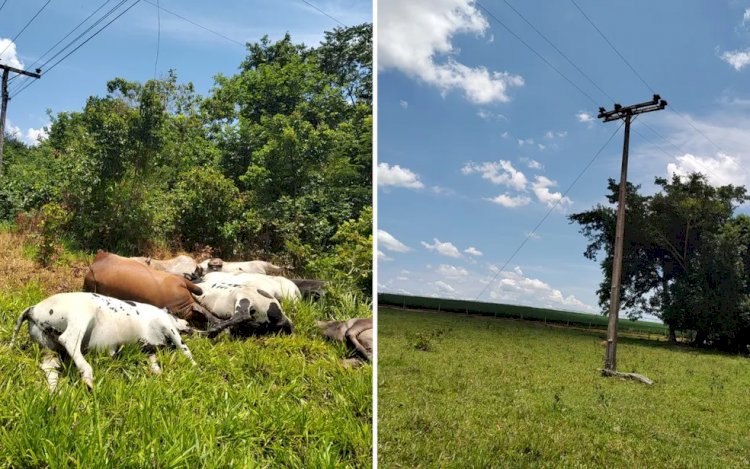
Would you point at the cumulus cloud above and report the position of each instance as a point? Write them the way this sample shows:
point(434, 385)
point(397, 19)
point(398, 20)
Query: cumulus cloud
point(515, 287)
point(448, 270)
point(487, 115)
point(533, 164)
point(403, 104)
point(584, 116)
point(471, 250)
point(415, 37)
point(528, 141)
point(442, 286)
point(559, 134)
point(738, 59)
point(9, 57)
point(499, 172)
point(387, 241)
point(383, 257)
point(541, 186)
point(720, 171)
point(31, 137)
point(445, 249)
point(398, 177)
point(509, 201)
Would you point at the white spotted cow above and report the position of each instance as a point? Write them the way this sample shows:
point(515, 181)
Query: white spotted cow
point(246, 310)
point(71, 323)
point(280, 288)
point(248, 267)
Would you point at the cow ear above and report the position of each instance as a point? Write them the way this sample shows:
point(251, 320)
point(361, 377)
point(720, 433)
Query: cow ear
point(265, 293)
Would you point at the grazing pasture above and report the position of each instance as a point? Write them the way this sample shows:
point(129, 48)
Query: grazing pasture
point(260, 402)
point(471, 391)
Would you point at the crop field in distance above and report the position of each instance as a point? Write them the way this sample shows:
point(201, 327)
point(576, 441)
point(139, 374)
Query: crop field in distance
point(458, 390)
point(281, 401)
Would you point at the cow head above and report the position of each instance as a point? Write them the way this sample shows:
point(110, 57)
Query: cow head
point(214, 265)
point(256, 313)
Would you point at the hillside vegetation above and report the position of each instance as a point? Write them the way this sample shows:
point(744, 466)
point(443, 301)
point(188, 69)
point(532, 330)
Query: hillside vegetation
point(468, 391)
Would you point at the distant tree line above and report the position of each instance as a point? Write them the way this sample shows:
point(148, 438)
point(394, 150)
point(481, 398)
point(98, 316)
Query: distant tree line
point(276, 160)
point(686, 258)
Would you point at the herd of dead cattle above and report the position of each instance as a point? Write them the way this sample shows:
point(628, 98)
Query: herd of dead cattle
point(152, 301)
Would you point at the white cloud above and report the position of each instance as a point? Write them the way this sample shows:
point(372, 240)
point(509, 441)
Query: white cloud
point(446, 249)
point(398, 177)
point(541, 146)
point(510, 202)
point(738, 59)
point(387, 241)
point(514, 287)
point(532, 235)
point(9, 57)
point(560, 134)
point(528, 141)
point(447, 270)
point(541, 187)
point(383, 257)
point(403, 104)
point(471, 250)
point(722, 170)
point(31, 137)
point(444, 287)
point(487, 115)
point(746, 17)
point(415, 38)
point(500, 172)
point(584, 116)
point(505, 134)
point(533, 164)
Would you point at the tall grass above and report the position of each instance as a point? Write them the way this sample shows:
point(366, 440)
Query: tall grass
point(278, 401)
point(504, 393)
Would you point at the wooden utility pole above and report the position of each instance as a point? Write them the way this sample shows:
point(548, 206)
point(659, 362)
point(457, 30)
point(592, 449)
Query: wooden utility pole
point(5, 98)
point(626, 114)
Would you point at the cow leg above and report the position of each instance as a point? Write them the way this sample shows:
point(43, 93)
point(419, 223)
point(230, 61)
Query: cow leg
point(51, 367)
point(352, 339)
point(176, 340)
point(241, 315)
point(71, 340)
point(154, 365)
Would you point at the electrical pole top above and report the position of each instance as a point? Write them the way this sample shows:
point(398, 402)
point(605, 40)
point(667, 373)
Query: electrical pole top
point(619, 112)
point(38, 71)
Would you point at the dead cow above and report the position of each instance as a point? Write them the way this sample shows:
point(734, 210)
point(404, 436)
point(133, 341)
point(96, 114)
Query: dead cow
point(126, 279)
point(249, 267)
point(279, 287)
point(357, 333)
point(181, 265)
point(71, 323)
point(246, 310)
point(310, 288)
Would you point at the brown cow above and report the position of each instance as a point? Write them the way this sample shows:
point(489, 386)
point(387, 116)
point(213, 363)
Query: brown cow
point(357, 333)
point(127, 279)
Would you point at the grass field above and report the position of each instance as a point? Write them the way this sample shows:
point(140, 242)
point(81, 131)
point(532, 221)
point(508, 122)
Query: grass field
point(275, 401)
point(506, 393)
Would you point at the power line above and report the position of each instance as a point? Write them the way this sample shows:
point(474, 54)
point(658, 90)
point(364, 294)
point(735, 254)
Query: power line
point(538, 225)
point(323, 12)
point(16, 90)
point(560, 52)
point(537, 54)
point(80, 45)
point(4, 2)
point(64, 37)
point(241, 44)
point(12, 41)
point(613, 46)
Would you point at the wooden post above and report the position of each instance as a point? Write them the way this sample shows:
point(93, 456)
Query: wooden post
point(5, 98)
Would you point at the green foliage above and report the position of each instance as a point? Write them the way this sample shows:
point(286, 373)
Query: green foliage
point(52, 218)
point(685, 258)
point(278, 155)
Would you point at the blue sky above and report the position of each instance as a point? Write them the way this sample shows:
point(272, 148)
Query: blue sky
point(478, 137)
point(127, 48)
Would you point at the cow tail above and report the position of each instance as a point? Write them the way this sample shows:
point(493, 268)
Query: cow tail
point(25, 316)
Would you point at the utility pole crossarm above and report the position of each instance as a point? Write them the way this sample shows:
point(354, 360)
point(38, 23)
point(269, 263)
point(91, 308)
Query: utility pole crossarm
point(36, 74)
point(625, 113)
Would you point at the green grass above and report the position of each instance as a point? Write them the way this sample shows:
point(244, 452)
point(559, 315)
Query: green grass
point(281, 401)
point(569, 318)
point(507, 393)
